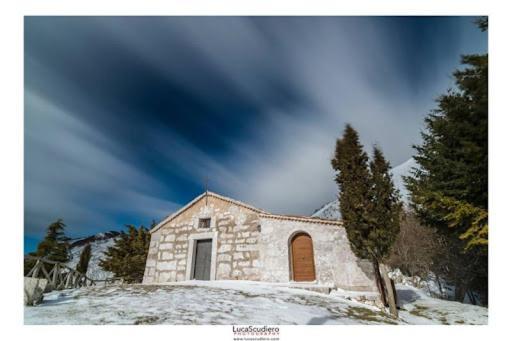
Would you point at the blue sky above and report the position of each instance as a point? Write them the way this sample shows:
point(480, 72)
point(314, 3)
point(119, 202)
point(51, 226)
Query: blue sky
point(126, 116)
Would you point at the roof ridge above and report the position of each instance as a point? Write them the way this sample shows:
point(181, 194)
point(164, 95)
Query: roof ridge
point(298, 218)
point(242, 204)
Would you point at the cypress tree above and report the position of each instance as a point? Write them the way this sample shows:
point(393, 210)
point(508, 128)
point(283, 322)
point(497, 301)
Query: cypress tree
point(386, 207)
point(350, 163)
point(369, 202)
point(353, 178)
point(384, 215)
point(85, 257)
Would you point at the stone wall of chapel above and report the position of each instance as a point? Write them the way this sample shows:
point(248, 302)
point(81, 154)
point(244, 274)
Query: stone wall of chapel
point(234, 230)
point(335, 263)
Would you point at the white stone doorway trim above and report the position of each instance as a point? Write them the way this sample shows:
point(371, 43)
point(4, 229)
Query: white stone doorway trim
point(192, 239)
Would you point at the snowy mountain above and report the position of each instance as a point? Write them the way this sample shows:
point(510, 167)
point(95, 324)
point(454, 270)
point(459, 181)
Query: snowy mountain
point(331, 209)
point(99, 244)
point(398, 172)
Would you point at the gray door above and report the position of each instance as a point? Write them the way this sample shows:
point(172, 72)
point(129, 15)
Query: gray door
point(203, 259)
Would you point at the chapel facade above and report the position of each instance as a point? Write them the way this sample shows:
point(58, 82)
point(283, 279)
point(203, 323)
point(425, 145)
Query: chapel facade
point(218, 238)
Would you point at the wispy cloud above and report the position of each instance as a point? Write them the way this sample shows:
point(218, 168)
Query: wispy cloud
point(70, 174)
point(125, 117)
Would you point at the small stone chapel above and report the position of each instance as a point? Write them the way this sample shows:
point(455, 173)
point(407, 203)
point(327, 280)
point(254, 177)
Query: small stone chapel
point(218, 238)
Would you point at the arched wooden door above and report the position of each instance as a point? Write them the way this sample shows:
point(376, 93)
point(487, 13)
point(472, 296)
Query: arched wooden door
point(303, 262)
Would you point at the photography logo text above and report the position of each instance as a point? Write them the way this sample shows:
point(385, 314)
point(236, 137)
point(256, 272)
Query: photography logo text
point(255, 333)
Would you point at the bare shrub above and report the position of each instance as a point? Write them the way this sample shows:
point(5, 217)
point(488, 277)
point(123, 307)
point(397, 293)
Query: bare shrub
point(415, 248)
point(422, 251)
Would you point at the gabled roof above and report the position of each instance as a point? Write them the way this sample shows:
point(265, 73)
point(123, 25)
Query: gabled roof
point(261, 213)
point(210, 194)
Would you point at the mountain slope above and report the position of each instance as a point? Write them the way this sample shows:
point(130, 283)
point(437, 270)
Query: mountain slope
point(400, 171)
point(99, 244)
point(331, 209)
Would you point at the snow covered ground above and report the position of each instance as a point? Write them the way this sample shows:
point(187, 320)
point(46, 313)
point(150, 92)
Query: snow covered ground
point(419, 308)
point(237, 302)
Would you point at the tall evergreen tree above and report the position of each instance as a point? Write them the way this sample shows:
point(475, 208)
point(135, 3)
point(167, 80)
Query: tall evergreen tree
point(350, 163)
point(85, 257)
point(127, 258)
point(369, 202)
point(449, 189)
point(386, 207)
point(53, 247)
point(353, 178)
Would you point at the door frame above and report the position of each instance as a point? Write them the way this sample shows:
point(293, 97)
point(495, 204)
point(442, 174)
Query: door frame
point(206, 267)
point(290, 256)
point(191, 254)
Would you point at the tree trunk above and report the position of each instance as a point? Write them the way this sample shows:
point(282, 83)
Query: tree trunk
point(395, 296)
point(441, 291)
point(390, 292)
point(460, 291)
point(379, 282)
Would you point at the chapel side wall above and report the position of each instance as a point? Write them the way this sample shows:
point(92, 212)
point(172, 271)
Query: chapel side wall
point(150, 271)
point(234, 230)
point(335, 263)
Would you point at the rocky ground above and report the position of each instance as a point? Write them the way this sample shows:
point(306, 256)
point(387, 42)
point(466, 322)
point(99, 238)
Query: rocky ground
point(237, 302)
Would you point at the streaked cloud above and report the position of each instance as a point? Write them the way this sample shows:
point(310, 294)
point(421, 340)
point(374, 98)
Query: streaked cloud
point(126, 117)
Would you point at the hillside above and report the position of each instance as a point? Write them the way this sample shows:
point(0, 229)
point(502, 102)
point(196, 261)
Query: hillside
point(99, 244)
